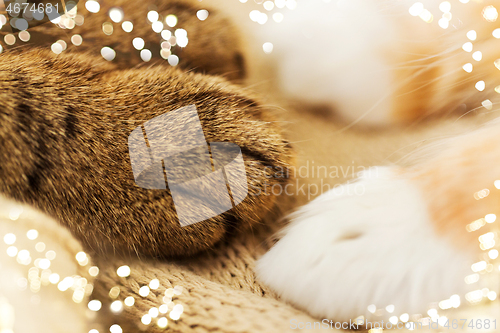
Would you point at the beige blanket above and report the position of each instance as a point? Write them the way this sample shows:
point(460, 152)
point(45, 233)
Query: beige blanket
point(218, 290)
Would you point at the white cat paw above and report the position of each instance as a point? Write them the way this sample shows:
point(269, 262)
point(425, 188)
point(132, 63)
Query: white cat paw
point(368, 242)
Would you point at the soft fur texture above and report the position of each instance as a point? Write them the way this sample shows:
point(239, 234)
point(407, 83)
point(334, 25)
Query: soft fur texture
point(65, 123)
point(368, 242)
point(371, 62)
point(65, 120)
point(404, 241)
point(396, 236)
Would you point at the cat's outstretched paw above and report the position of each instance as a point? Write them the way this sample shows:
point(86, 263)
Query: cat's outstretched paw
point(96, 172)
point(368, 242)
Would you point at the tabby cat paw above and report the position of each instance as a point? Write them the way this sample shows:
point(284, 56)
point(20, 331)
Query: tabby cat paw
point(82, 173)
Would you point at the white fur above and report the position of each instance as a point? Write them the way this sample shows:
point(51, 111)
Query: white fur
point(329, 53)
point(344, 252)
point(344, 54)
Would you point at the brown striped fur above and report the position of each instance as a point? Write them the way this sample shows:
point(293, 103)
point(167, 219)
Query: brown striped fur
point(65, 120)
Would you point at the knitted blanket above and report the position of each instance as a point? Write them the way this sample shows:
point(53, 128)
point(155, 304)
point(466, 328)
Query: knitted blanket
point(215, 291)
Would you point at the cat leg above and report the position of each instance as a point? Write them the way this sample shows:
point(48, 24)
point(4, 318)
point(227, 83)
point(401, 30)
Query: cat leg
point(65, 127)
point(397, 236)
